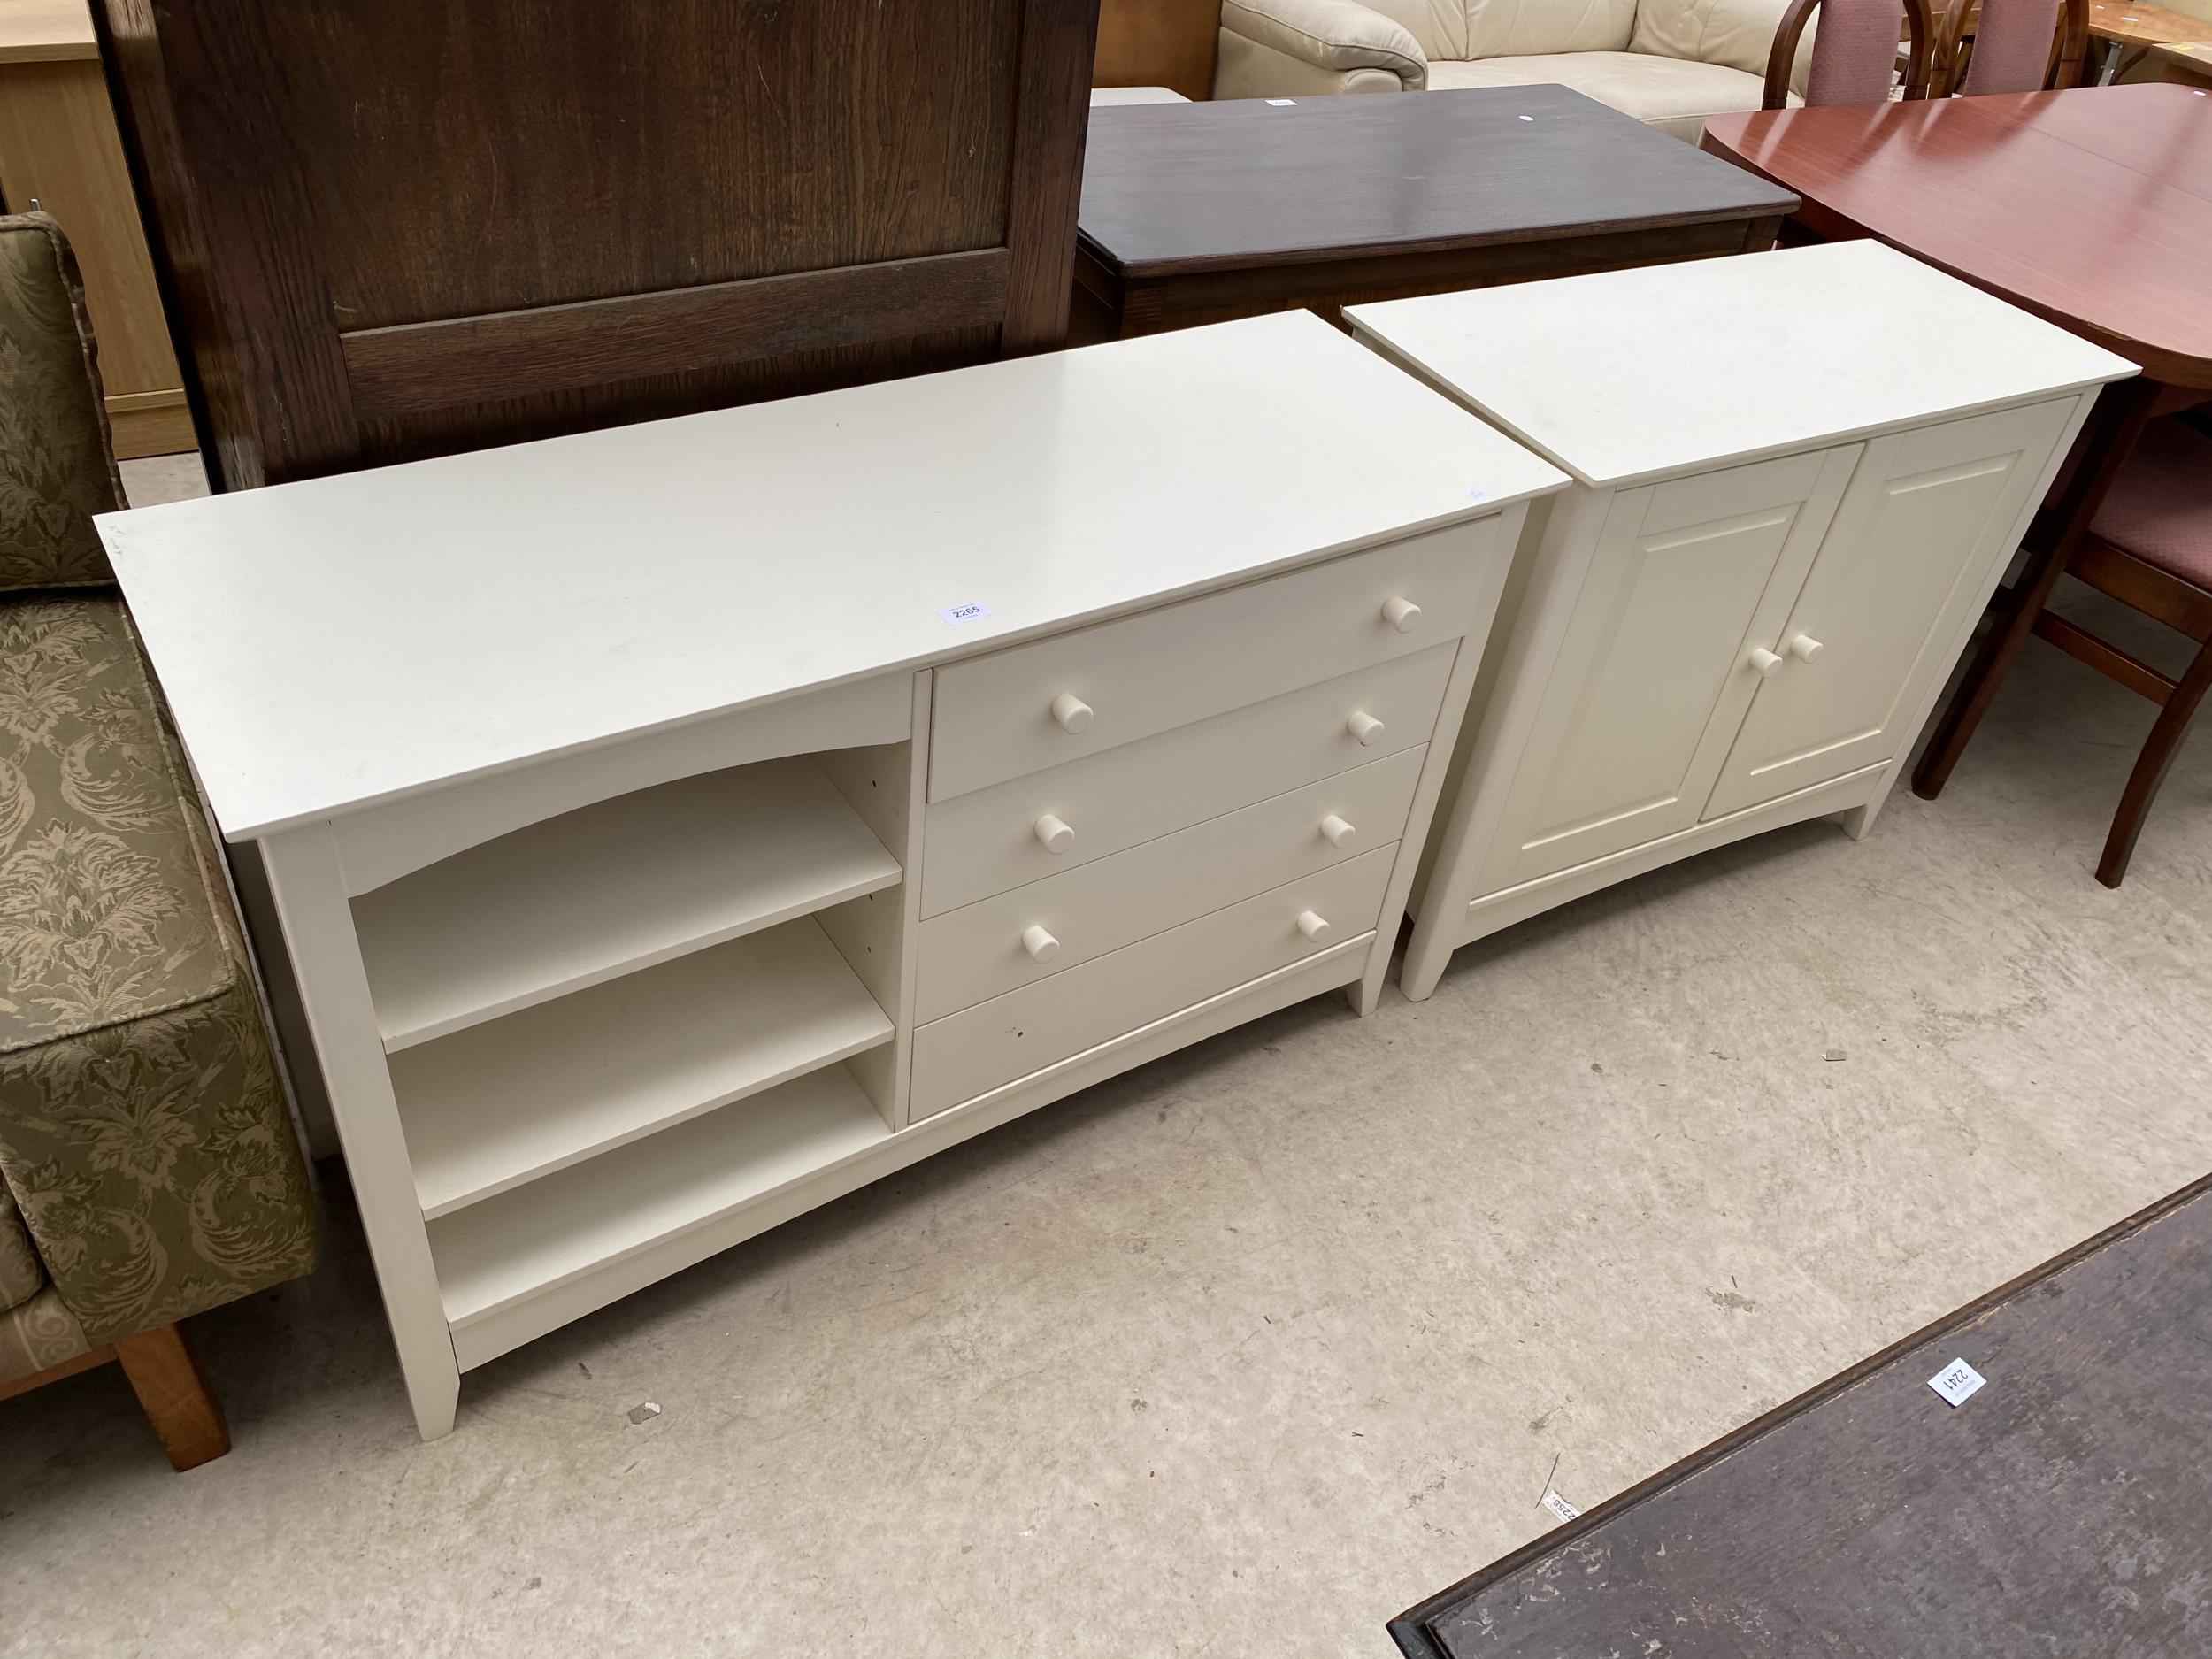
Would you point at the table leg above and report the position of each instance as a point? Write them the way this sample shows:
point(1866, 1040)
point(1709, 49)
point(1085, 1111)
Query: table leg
point(2111, 65)
point(2110, 435)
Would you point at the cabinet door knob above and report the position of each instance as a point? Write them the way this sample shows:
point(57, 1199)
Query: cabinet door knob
point(1314, 925)
point(1805, 648)
point(1041, 946)
point(1336, 832)
point(1763, 661)
point(1365, 728)
point(1070, 713)
point(1054, 834)
point(1402, 614)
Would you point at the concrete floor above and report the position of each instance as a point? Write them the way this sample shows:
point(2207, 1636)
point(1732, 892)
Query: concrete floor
point(1242, 1353)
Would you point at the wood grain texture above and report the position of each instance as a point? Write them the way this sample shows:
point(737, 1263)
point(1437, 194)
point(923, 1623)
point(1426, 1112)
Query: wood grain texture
point(1198, 213)
point(462, 160)
point(166, 1374)
point(339, 173)
point(1158, 44)
point(1243, 182)
point(209, 105)
point(1052, 104)
point(2143, 25)
point(411, 368)
point(46, 32)
point(2090, 207)
point(58, 147)
point(2065, 1508)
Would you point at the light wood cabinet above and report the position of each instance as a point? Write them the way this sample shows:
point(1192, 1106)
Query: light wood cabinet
point(805, 830)
point(58, 147)
point(1799, 477)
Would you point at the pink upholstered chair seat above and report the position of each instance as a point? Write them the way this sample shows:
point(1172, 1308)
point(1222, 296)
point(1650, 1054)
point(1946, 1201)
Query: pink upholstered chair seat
point(2160, 508)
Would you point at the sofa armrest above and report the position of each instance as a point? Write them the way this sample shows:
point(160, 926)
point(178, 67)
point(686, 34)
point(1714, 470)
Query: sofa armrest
point(1271, 47)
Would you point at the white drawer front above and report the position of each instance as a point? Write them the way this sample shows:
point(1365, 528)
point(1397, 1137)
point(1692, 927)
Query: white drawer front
point(989, 840)
point(961, 1055)
point(979, 951)
point(1056, 700)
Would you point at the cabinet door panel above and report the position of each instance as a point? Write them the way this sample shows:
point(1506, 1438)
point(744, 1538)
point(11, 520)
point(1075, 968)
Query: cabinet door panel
point(1919, 539)
point(1648, 683)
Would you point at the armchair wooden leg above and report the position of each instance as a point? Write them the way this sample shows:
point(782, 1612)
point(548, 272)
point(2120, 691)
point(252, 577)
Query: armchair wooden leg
point(2150, 768)
point(171, 1386)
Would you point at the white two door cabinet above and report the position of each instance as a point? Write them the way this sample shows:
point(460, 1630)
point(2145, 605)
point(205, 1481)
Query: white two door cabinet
point(1799, 477)
point(676, 826)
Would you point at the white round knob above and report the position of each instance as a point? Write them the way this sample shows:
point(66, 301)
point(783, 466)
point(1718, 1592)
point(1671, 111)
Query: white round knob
point(1365, 728)
point(1041, 946)
point(1336, 832)
point(1402, 614)
point(1057, 835)
point(1763, 661)
point(1805, 648)
point(1314, 926)
point(1070, 713)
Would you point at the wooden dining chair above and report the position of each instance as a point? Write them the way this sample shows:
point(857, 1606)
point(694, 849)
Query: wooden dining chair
point(2015, 46)
point(2150, 546)
point(1855, 52)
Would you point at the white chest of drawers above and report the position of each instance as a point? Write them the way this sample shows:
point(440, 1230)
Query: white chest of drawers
point(677, 826)
point(1800, 475)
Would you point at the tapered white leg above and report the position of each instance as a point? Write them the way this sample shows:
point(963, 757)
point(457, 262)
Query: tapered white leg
point(1426, 953)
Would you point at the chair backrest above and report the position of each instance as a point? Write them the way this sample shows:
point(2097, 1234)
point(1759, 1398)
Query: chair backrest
point(2012, 46)
point(396, 227)
point(1854, 51)
point(56, 468)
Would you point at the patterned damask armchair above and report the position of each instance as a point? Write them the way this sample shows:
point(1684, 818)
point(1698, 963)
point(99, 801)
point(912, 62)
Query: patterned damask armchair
point(149, 1165)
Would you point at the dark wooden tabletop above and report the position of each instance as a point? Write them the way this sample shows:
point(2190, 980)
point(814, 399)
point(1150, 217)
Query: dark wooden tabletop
point(2065, 1509)
point(2091, 207)
point(1176, 187)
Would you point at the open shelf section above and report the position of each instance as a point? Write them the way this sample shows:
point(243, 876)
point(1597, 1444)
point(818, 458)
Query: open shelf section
point(503, 1103)
point(609, 889)
point(492, 1256)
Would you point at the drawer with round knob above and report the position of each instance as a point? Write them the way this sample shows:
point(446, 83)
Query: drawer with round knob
point(994, 1043)
point(1053, 701)
point(1043, 823)
point(1050, 927)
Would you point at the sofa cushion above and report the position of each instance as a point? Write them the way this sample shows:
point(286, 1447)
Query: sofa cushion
point(143, 1132)
point(55, 468)
point(1503, 28)
point(1736, 34)
point(1671, 94)
point(21, 1277)
point(1440, 26)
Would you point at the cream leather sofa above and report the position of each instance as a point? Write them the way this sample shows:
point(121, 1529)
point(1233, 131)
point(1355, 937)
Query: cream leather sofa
point(1669, 63)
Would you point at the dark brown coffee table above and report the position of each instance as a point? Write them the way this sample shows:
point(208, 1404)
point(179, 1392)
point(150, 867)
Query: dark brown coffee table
point(2065, 1508)
point(1200, 213)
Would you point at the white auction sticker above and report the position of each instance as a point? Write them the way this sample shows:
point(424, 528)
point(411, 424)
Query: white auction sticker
point(1957, 1382)
point(1558, 1505)
point(957, 614)
point(1284, 104)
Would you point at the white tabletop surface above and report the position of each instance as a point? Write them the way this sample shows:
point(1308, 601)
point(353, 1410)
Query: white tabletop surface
point(337, 643)
point(1630, 375)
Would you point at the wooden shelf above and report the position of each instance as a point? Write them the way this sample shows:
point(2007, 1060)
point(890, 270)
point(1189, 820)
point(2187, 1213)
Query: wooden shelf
point(560, 1230)
point(607, 890)
point(488, 1108)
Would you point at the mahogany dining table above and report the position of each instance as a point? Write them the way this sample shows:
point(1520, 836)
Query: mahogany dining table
point(2090, 207)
